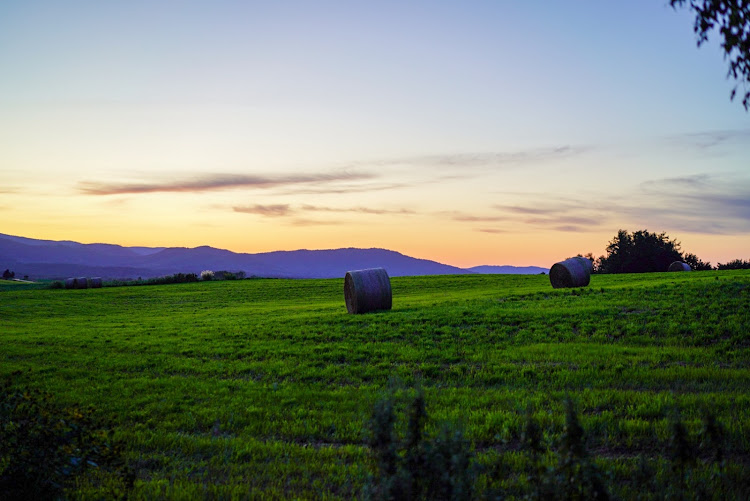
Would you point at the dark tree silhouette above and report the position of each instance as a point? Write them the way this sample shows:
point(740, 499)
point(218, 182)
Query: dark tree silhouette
point(695, 262)
point(7, 274)
point(737, 264)
point(732, 19)
point(639, 252)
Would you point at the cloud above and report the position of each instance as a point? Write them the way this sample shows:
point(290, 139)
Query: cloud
point(213, 182)
point(703, 204)
point(343, 189)
point(707, 140)
point(468, 218)
point(265, 210)
point(314, 222)
point(356, 177)
point(292, 214)
point(481, 160)
point(362, 210)
point(505, 159)
point(712, 204)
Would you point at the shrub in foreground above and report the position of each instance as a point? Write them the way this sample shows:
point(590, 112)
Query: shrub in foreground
point(47, 448)
point(412, 465)
point(417, 466)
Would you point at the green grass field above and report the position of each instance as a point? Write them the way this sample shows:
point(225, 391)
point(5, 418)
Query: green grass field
point(262, 388)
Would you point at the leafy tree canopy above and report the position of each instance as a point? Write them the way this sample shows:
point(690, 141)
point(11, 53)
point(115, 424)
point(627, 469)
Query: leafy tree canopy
point(695, 263)
point(639, 252)
point(732, 19)
point(737, 264)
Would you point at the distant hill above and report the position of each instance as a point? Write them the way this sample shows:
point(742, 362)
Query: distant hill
point(50, 259)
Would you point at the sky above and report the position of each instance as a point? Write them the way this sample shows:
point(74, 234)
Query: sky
point(475, 132)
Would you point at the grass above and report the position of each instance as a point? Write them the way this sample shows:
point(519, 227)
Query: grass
point(262, 387)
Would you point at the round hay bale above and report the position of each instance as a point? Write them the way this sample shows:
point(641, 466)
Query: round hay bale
point(96, 282)
point(679, 266)
point(573, 272)
point(367, 290)
point(81, 283)
point(70, 283)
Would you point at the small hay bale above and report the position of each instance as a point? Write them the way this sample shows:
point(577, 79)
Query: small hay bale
point(679, 266)
point(96, 282)
point(70, 283)
point(81, 283)
point(367, 290)
point(573, 272)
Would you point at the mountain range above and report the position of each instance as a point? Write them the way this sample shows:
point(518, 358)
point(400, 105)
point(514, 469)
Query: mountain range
point(56, 260)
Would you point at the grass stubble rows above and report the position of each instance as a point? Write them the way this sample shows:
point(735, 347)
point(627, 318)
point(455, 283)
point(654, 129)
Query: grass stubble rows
point(262, 387)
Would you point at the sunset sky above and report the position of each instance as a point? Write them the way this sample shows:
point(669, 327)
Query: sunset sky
point(473, 132)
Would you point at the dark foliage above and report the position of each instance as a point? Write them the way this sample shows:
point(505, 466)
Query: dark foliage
point(642, 252)
point(695, 263)
point(576, 476)
point(46, 447)
point(177, 278)
point(732, 20)
point(411, 465)
point(737, 264)
point(639, 252)
point(7, 274)
point(417, 467)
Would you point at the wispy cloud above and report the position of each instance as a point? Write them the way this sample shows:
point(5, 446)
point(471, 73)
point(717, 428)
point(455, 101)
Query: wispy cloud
point(213, 182)
point(469, 218)
point(482, 160)
point(341, 189)
point(315, 222)
point(361, 210)
point(709, 139)
point(265, 210)
point(708, 204)
point(506, 159)
point(295, 216)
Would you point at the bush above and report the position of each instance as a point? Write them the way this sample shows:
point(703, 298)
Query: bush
point(207, 275)
point(411, 465)
point(47, 448)
point(737, 264)
point(57, 284)
point(415, 466)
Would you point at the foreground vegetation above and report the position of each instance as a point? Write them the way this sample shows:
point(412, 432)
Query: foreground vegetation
point(255, 388)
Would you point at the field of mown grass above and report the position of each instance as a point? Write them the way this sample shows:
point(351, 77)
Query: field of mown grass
point(262, 388)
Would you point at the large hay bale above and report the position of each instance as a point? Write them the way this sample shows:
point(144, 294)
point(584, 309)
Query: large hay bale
point(96, 282)
point(573, 272)
point(70, 283)
point(367, 290)
point(81, 283)
point(679, 266)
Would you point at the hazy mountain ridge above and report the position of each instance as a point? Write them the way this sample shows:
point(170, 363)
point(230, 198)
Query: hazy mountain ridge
point(49, 259)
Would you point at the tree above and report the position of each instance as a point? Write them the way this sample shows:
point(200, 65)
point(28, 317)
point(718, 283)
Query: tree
point(639, 252)
point(695, 263)
point(732, 19)
point(7, 274)
point(737, 264)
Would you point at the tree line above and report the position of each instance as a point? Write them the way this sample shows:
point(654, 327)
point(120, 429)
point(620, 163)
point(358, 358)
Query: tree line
point(643, 251)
